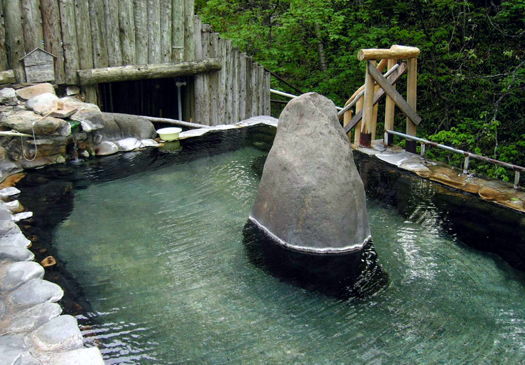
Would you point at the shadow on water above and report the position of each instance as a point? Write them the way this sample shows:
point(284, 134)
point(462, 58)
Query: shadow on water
point(353, 275)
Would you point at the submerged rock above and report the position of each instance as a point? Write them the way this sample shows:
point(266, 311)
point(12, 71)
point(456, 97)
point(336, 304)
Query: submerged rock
point(311, 197)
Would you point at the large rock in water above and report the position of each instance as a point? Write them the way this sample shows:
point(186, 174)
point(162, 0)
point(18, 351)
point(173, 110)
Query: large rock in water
point(311, 197)
point(309, 221)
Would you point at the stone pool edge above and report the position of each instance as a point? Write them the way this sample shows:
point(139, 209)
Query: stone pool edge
point(32, 328)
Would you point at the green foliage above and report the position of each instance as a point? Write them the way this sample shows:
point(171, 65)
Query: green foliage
point(471, 69)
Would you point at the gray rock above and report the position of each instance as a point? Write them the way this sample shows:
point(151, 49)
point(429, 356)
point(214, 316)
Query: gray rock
point(106, 148)
point(27, 121)
point(12, 347)
point(8, 96)
point(17, 273)
point(119, 126)
point(5, 214)
point(26, 215)
point(15, 239)
point(9, 192)
point(14, 206)
point(311, 197)
point(29, 92)
point(43, 104)
point(149, 143)
point(89, 115)
point(83, 356)
point(15, 253)
point(128, 144)
point(34, 292)
point(28, 359)
point(59, 334)
point(31, 318)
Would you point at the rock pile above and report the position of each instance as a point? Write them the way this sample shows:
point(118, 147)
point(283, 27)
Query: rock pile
point(39, 128)
point(32, 331)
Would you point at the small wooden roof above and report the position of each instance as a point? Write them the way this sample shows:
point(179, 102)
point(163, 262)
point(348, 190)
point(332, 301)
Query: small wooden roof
point(37, 49)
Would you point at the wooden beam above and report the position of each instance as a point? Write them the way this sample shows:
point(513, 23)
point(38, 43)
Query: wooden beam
point(390, 106)
point(153, 27)
point(14, 37)
point(398, 99)
point(98, 33)
point(166, 32)
point(377, 97)
point(141, 32)
point(113, 32)
point(177, 38)
point(69, 40)
point(368, 105)
point(32, 24)
point(127, 31)
point(396, 51)
point(142, 72)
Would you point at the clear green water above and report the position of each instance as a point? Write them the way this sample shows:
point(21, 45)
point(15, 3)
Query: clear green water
point(160, 259)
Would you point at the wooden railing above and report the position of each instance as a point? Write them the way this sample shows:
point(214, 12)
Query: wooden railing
point(366, 98)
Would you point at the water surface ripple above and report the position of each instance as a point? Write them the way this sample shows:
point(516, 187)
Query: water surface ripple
point(160, 259)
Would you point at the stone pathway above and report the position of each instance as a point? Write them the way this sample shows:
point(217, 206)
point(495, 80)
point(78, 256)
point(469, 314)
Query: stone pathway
point(32, 329)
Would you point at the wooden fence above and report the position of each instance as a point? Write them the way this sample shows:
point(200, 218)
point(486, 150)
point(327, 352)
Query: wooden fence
point(96, 34)
point(366, 98)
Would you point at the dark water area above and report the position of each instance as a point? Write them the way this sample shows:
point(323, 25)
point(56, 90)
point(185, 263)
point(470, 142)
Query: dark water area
point(158, 266)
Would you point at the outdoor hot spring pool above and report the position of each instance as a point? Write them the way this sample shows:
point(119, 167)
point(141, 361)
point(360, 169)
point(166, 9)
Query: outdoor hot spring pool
point(152, 260)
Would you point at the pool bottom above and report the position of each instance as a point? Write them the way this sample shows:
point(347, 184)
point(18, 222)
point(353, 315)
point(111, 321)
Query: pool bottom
point(353, 274)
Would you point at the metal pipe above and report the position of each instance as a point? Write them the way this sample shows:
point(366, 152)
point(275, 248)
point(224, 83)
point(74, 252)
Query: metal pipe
point(179, 84)
point(455, 150)
point(173, 121)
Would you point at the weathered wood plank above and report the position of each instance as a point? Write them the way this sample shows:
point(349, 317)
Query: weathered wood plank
point(177, 37)
point(262, 88)
point(85, 44)
point(213, 79)
point(235, 86)
point(98, 33)
point(53, 36)
point(390, 107)
point(255, 88)
point(166, 32)
point(69, 40)
point(249, 85)
point(127, 31)
point(368, 106)
point(228, 67)
point(151, 71)
point(242, 86)
point(154, 31)
point(222, 81)
point(90, 93)
point(200, 97)
point(267, 110)
point(189, 6)
point(7, 77)
point(112, 32)
point(32, 24)
point(141, 32)
point(398, 99)
point(3, 49)
point(14, 37)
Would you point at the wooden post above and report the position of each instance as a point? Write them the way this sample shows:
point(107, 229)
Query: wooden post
point(153, 26)
point(390, 107)
point(127, 31)
point(189, 12)
point(242, 86)
point(98, 29)
point(141, 32)
point(249, 92)
point(200, 82)
point(69, 40)
point(347, 117)
point(412, 100)
point(373, 124)
point(113, 32)
point(166, 31)
point(213, 79)
point(33, 35)
point(3, 50)
point(14, 37)
point(177, 38)
point(357, 129)
point(368, 107)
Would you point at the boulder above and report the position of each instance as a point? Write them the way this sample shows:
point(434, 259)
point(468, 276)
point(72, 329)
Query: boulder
point(8, 96)
point(89, 115)
point(43, 104)
point(25, 121)
point(106, 148)
point(119, 126)
point(59, 334)
point(29, 92)
point(311, 197)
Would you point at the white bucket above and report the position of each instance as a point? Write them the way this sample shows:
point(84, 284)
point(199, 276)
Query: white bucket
point(169, 134)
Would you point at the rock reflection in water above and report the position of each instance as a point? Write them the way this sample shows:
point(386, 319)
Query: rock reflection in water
point(355, 274)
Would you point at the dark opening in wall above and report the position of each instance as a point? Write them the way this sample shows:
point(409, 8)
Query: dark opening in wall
point(154, 98)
